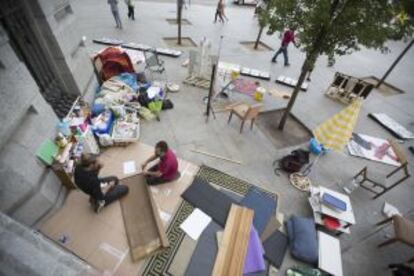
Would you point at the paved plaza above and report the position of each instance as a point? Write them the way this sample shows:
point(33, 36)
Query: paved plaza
point(184, 127)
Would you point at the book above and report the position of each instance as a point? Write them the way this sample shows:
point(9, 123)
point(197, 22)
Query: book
point(334, 202)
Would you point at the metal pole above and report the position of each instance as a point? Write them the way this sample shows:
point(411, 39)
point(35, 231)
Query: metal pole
point(210, 92)
point(180, 9)
point(395, 63)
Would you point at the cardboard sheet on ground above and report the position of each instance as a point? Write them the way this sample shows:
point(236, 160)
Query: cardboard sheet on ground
point(195, 224)
point(372, 148)
point(101, 239)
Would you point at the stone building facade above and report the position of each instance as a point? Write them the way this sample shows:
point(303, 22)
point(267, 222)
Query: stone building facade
point(43, 68)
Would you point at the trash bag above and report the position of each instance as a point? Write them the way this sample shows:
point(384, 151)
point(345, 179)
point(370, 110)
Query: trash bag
point(143, 99)
point(167, 104)
point(155, 107)
point(293, 162)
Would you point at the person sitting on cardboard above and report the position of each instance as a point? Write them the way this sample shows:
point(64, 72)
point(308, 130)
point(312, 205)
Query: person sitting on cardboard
point(102, 191)
point(166, 169)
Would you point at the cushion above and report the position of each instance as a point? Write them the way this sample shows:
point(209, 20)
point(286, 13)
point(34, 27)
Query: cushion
point(303, 242)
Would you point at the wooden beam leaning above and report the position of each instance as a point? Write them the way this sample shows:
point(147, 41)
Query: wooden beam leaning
point(233, 247)
point(217, 156)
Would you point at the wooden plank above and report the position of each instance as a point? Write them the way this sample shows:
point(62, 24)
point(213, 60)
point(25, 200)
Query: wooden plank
point(143, 226)
point(217, 156)
point(233, 247)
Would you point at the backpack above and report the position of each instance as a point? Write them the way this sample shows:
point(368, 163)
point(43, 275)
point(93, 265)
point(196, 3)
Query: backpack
point(293, 162)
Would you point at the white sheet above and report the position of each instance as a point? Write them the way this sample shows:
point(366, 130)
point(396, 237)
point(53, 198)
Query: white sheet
point(195, 224)
point(129, 167)
point(356, 150)
point(330, 259)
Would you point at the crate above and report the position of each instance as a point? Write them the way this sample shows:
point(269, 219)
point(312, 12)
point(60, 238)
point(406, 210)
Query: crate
point(124, 133)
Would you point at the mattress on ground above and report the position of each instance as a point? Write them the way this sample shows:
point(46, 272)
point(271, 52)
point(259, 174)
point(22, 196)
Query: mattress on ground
point(210, 200)
point(263, 205)
point(275, 247)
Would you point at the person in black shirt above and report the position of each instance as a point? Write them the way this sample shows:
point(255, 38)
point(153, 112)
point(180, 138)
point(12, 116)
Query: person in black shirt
point(102, 191)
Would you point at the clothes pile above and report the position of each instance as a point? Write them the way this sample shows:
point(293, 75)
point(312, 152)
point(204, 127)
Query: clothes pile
point(122, 98)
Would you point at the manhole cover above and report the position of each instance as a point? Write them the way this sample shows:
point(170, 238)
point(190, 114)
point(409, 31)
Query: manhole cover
point(173, 21)
point(261, 46)
point(294, 133)
point(185, 42)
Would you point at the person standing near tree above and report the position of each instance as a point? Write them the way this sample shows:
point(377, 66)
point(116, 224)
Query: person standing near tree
point(131, 5)
point(115, 12)
point(288, 37)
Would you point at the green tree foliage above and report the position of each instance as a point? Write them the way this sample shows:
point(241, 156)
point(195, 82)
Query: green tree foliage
point(338, 27)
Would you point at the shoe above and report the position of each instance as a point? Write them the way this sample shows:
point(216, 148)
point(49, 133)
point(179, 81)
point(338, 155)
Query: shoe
point(99, 206)
point(274, 61)
point(92, 201)
point(287, 64)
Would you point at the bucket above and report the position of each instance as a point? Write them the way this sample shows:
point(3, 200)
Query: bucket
point(258, 94)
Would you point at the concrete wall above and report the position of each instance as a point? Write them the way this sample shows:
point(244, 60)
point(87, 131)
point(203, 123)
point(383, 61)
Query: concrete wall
point(27, 188)
point(54, 24)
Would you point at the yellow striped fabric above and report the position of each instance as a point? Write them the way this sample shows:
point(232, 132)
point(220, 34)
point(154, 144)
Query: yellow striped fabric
point(335, 132)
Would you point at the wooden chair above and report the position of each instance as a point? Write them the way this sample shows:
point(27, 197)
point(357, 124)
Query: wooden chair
point(380, 182)
point(403, 228)
point(245, 112)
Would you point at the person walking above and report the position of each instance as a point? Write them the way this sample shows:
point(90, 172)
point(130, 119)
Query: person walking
point(131, 6)
point(115, 12)
point(220, 12)
point(288, 37)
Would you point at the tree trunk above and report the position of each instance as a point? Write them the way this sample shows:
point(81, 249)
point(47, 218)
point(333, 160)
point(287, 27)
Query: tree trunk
point(395, 63)
point(256, 44)
point(179, 14)
point(295, 93)
point(309, 63)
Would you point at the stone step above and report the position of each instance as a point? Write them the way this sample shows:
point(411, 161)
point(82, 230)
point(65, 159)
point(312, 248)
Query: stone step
point(24, 251)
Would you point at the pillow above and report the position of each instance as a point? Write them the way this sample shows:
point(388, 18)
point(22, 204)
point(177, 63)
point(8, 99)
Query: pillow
point(303, 242)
